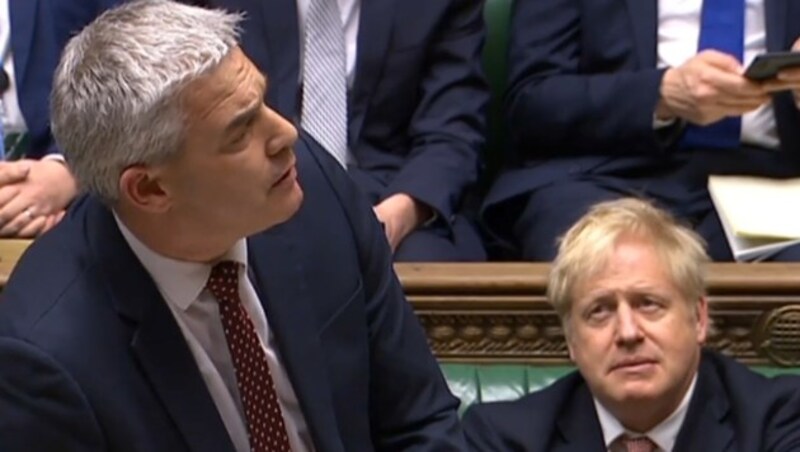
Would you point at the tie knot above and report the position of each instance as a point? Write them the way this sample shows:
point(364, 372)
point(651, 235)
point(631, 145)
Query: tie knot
point(639, 444)
point(223, 282)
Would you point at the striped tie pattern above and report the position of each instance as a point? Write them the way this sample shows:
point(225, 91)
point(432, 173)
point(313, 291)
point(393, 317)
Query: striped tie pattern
point(324, 101)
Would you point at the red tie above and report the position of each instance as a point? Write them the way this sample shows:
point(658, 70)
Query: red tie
point(267, 431)
point(640, 444)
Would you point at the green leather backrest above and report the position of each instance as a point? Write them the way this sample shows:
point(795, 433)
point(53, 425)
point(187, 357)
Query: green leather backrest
point(495, 56)
point(491, 382)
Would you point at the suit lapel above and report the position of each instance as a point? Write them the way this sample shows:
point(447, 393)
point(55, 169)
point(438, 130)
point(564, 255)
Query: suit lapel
point(374, 32)
point(169, 365)
point(283, 289)
point(23, 24)
point(644, 21)
point(705, 426)
point(157, 343)
point(282, 37)
point(776, 12)
point(578, 424)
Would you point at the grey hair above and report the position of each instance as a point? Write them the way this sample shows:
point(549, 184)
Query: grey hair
point(116, 92)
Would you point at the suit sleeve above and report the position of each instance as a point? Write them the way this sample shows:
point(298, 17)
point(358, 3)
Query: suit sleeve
point(555, 104)
point(481, 435)
point(783, 417)
point(448, 127)
point(41, 407)
point(410, 405)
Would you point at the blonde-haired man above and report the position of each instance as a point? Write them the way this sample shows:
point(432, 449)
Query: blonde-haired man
point(628, 284)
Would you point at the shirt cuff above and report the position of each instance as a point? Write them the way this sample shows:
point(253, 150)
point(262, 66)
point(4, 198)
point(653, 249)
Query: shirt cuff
point(662, 123)
point(56, 157)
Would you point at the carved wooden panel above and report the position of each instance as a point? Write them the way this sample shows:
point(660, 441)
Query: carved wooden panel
point(498, 312)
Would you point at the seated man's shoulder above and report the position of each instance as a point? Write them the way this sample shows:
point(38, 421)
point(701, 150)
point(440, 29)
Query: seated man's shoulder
point(744, 383)
point(537, 411)
point(766, 409)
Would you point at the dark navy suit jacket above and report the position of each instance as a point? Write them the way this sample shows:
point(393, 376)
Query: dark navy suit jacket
point(732, 409)
point(583, 87)
point(35, 58)
point(92, 359)
point(416, 108)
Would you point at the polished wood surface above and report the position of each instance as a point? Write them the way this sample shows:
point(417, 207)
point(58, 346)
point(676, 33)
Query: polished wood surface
point(497, 312)
point(531, 278)
point(10, 252)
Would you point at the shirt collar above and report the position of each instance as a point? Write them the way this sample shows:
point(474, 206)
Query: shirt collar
point(663, 435)
point(180, 282)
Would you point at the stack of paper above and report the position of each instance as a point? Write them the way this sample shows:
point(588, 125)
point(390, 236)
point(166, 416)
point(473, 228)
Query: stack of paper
point(760, 216)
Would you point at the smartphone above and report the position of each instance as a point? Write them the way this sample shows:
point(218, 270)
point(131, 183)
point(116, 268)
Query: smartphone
point(767, 65)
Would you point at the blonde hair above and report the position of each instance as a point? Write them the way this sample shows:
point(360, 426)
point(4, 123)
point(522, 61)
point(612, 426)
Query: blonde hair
point(586, 247)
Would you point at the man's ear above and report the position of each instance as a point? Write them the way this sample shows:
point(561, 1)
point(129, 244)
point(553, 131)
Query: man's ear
point(567, 337)
point(701, 314)
point(141, 187)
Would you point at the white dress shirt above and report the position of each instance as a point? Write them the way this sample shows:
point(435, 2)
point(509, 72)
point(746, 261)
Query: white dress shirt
point(350, 11)
point(663, 435)
point(182, 284)
point(678, 35)
point(10, 113)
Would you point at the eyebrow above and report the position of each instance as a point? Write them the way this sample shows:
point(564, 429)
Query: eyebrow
point(246, 114)
point(243, 117)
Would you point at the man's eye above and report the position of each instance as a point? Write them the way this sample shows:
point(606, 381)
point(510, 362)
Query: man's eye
point(599, 312)
point(239, 138)
point(650, 304)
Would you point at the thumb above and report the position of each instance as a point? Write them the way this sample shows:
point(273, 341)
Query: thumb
point(11, 173)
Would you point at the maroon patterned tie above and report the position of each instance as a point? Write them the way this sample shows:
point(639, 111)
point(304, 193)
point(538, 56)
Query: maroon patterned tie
point(640, 444)
point(266, 429)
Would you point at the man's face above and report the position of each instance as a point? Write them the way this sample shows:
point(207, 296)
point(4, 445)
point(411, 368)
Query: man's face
point(633, 335)
point(235, 173)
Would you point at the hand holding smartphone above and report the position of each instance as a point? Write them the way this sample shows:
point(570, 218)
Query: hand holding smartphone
point(767, 65)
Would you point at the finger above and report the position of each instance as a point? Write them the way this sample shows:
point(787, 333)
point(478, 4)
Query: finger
point(18, 223)
point(734, 85)
point(11, 209)
point(50, 221)
point(741, 105)
point(54, 219)
point(776, 85)
point(7, 194)
point(13, 172)
point(720, 60)
point(35, 228)
point(789, 75)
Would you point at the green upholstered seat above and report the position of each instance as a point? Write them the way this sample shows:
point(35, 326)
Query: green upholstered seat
point(476, 383)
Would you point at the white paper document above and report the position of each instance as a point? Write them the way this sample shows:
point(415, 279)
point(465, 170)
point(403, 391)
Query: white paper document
point(760, 216)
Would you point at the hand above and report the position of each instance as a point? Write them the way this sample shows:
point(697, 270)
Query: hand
point(707, 88)
point(787, 79)
point(33, 195)
point(400, 214)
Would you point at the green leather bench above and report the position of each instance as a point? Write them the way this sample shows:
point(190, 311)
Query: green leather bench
point(492, 382)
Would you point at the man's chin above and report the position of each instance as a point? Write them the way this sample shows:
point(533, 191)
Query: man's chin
point(279, 214)
point(637, 391)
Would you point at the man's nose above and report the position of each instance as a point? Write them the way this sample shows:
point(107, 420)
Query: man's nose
point(628, 328)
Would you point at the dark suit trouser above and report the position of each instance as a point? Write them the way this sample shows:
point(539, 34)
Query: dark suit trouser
point(438, 243)
point(680, 188)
